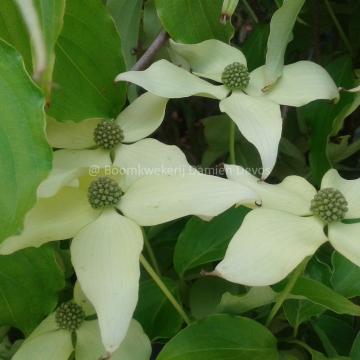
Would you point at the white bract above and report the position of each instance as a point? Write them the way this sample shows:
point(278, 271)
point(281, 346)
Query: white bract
point(281, 26)
point(292, 222)
point(106, 244)
point(254, 109)
point(53, 341)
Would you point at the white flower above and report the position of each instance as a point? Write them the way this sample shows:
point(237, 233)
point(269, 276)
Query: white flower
point(254, 109)
point(51, 340)
point(138, 120)
point(107, 242)
point(291, 223)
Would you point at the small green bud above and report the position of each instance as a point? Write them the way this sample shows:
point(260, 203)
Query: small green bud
point(329, 205)
point(236, 76)
point(108, 134)
point(69, 316)
point(228, 10)
point(103, 192)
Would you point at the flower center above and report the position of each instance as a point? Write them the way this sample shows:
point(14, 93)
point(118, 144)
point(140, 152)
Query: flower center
point(69, 316)
point(235, 76)
point(104, 192)
point(329, 205)
point(108, 134)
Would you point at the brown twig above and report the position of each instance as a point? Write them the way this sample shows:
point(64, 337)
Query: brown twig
point(150, 53)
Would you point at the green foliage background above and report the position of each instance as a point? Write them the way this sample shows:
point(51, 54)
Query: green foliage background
point(90, 42)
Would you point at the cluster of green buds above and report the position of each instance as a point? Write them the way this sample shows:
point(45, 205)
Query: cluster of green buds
point(108, 134)
point(329, 205)
point(69, 316)
point(236, 76)
point(103, 192)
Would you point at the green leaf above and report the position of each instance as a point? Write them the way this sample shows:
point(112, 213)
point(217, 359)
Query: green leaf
point(202, 242)
point(217, 134)
point(342, 150)
point(351, 106)
point(156, 314)
point(320, 116)
point(315, 355)
point(281, 26)
point(193, 21)
point(216, 131)
point(222, 337)
point(354, 27)
point(339, 332)
point(290, 161)
point(163, 239)
point(151, 24)
point(326, 343)
point(296, 311)
point(345, 276)
point(324, 296)
point(88, 58)
point(300, 311)
point(355, 349)
point(288, 355)
point(127, 15)
point(14, 32)
point(205, 295)
point(254, 298)
point(318, 269)
point(254, 47)
point(30, 281)
point(25, 156)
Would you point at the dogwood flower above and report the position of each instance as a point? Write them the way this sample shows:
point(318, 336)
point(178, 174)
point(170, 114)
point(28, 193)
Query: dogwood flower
point(137, 121)
point(54, 338)
point(103, 215)
point(254, 107)
point(122, 137)
point(292, 221)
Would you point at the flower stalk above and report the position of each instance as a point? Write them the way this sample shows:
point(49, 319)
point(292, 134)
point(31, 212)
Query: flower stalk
point(164, 289)
point(287, 290)
point(151, 254)
point(232, 158)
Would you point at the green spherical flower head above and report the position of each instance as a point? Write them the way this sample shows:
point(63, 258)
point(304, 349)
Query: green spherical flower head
point(104, 192)
point(108, 134)
point(69, 316)
point(235, 76)
point(329, 205)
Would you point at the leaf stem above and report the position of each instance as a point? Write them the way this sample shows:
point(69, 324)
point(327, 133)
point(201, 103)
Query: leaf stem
point(151, 254)
point(164, 289)
point(232, 143)
point(286, 291)
point(339, 27)
point(250, 11)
